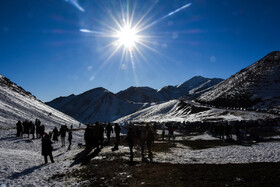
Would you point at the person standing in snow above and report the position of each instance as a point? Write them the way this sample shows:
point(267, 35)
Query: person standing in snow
point(19, 128)
point(101, 135)
point(88, 137)
point(109, 130)
point(150, 141)
point(171, 132)
point(55, 134)
point(162, 134)
point(130, 140)
point(63, 130)
point(142, 139)
point(47, 148)
point(37, 125)
point(117, 131)
point(32, 129)
point(70, 137)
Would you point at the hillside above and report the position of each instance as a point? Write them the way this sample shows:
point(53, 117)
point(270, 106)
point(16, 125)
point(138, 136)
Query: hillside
point(94, 105)
point(256, 86)
point(18, 104)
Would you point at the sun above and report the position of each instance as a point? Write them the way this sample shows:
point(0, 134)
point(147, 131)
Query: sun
point(127, 37)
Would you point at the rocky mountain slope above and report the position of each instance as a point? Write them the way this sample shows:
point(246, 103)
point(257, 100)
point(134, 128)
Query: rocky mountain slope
point(95, 105)
point(256, 86)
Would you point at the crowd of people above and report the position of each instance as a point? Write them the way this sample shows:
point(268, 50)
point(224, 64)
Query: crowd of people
point(138, 134)
point(37, 130)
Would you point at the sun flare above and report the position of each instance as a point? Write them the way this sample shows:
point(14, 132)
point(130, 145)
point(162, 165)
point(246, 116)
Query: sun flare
point(127, 37)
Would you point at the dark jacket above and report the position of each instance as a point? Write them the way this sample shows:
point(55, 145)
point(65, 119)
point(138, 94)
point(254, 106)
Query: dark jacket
point(46, 145)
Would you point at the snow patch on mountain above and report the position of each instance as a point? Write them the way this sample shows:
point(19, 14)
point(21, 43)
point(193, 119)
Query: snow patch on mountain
point(189, 111)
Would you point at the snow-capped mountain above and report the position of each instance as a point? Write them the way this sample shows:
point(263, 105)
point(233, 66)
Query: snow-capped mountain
point(141, 95)
point(257, 86)
point(18, 104)
point(102, 105)
point(192, 87)
point(94, 105)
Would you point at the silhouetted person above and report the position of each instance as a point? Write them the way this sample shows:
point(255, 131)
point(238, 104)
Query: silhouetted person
point(95, 135)
point(26, 127)
point(55, 135)
point(70, 137)
point(41, 130)
point(101, 135)
point(19, 128)
point(109, 130)
point(117, 131)
point(162, 134)
point(143, 137)
point(63, 130)
point(130, 140)
point(47, 148)
point(87, 137)
point(171, 132)
point(32, 129)
point(37, 125)
point(150, 141)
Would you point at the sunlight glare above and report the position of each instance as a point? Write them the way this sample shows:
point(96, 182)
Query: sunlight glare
point(127, 37)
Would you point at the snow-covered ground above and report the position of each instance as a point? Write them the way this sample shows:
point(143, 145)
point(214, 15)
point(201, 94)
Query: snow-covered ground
point(22, 163)
point(262, 152)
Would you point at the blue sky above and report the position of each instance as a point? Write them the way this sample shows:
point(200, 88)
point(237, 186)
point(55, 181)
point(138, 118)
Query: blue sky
point(43, 50)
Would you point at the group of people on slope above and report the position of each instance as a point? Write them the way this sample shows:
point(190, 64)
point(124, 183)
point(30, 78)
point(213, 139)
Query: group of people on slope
point(28, 127)
point(47, 147)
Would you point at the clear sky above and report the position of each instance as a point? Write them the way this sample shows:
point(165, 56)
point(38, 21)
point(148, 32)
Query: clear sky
point(43, 50)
